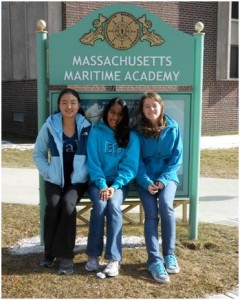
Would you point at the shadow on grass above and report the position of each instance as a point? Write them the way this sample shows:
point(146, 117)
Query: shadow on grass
point(208, 265)
point(137, 271)
point(28, 264)
point(21, 264)
point(200, 275)
point(216, 198)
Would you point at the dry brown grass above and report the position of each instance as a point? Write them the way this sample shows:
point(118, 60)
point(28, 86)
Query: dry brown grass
point(14, 158)
point(208, 265)
point(221, 163)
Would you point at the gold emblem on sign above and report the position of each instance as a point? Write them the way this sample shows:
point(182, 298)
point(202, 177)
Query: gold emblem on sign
point(154, 38)
point(122, 31)
point(90, 37)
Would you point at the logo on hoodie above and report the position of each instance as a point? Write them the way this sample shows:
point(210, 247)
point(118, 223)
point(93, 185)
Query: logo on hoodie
point(112, 148)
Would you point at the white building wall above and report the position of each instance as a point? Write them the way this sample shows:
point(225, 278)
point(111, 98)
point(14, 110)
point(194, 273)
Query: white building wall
point(19, 35)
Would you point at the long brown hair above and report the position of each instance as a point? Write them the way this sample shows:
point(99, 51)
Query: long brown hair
point(144, 126)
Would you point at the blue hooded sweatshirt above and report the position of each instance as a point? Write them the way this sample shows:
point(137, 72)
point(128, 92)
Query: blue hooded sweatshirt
point(160, 158)
point(107, 162)
point(50, 140)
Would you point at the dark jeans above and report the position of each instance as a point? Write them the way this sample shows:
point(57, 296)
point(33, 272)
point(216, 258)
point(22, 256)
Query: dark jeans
point(60, 219)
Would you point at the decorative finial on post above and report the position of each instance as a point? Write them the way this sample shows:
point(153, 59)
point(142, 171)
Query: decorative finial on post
point(199, 27)
point(41, 25)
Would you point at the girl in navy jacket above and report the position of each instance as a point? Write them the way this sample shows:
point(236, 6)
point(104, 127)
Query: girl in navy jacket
point(60, 156)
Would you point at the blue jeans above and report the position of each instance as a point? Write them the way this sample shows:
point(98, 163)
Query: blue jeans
point(113, 212)
point(160, 204)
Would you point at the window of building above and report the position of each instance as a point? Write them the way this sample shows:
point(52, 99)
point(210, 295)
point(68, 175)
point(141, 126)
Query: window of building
point(18, 117)
point(227, 41)
point(235, 10)
point(234, 62)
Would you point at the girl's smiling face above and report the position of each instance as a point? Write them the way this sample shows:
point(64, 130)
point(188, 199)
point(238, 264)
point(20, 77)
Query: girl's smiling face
point(152, 109)
point(69, 105)
point(114, 116)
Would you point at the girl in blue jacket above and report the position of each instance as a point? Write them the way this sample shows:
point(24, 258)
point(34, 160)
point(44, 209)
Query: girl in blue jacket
point(60, 156)
point(160, 158)
point(112, 162)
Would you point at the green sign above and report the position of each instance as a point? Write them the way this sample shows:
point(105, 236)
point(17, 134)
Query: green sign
point(121, 44)
point(124, 44)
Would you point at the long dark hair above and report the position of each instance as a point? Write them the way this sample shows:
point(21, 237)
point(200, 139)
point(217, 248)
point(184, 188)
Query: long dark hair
point(122, 133)
point(144, 126)
point(75, 94)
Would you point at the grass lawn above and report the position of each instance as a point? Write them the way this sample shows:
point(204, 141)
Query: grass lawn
point(208, 265)
point(221, 163)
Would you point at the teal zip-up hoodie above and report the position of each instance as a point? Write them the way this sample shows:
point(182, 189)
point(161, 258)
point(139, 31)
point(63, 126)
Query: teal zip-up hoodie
point(160, 158)
point(50, 140)
point(107, 162)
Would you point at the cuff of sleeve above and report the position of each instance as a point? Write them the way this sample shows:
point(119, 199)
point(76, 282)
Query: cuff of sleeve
point(146, 184)
point(163, 181)
point(115, 186)
point(102, 185)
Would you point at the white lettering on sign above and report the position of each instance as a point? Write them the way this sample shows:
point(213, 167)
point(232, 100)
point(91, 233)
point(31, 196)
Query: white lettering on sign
point(117, 76)
point(132, 61)
point(152, 76)
point(92, 75)
point(122, 68)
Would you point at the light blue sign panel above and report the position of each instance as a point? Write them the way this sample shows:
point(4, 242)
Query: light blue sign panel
point(121, 44)
point(177, 105)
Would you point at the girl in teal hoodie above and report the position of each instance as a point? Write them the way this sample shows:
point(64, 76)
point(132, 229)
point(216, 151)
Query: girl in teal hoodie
point(160, 158)
point(112, 162)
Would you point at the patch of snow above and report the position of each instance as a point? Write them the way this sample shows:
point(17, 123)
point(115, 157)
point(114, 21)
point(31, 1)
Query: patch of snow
point(32, 245)
point(21, 147)
point(219, 142)
point(206, 142)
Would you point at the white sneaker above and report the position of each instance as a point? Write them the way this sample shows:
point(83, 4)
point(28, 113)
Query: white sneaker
point(92, 264)
point(112, 268)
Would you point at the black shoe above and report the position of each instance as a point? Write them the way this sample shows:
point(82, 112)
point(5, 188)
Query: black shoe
point(66, 266)
point(47, 263)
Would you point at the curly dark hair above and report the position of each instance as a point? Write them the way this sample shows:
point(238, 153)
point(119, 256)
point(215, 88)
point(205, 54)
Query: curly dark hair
point(144, 126)
point(122, 133)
